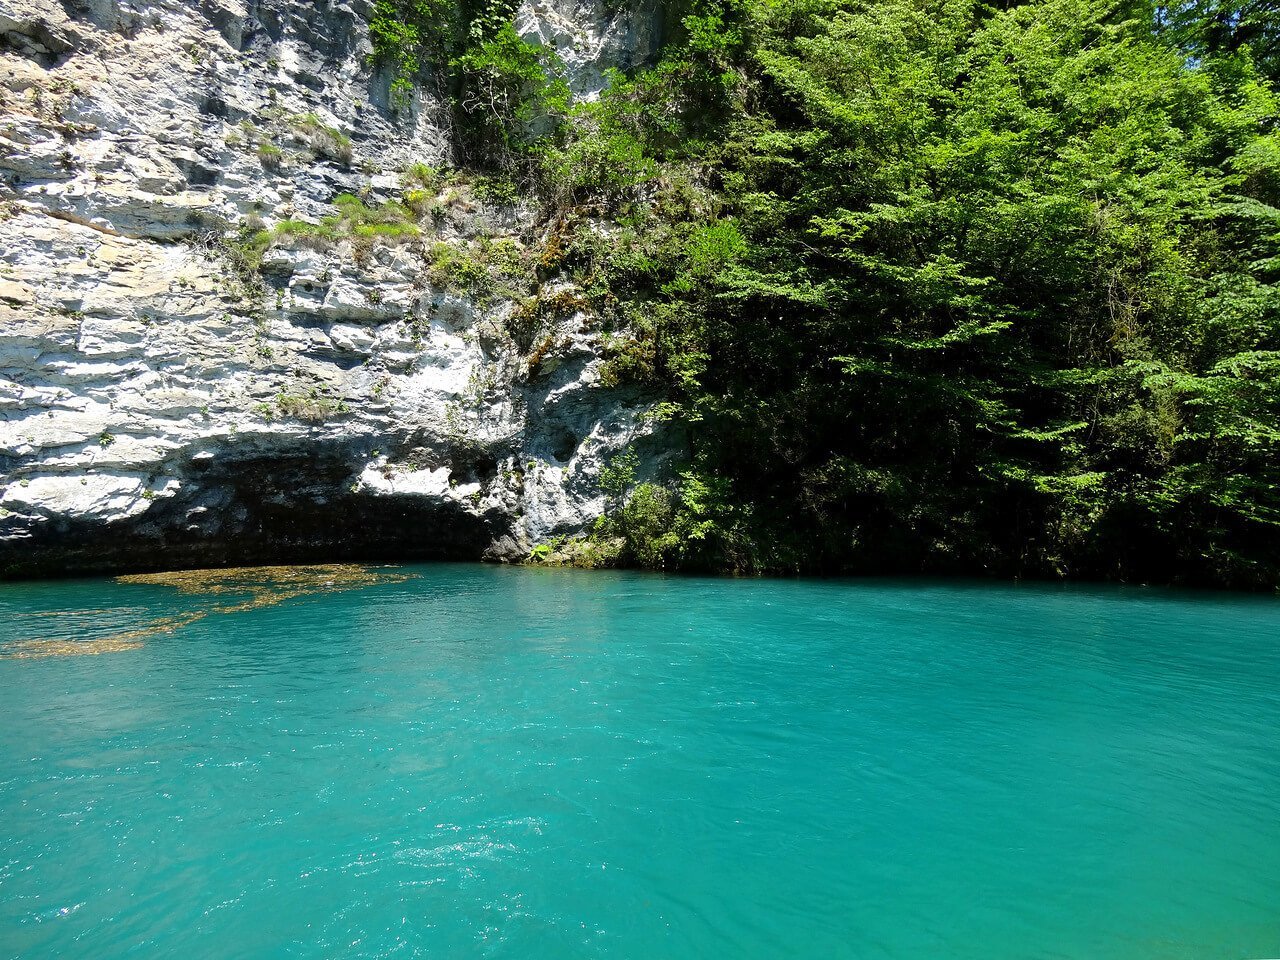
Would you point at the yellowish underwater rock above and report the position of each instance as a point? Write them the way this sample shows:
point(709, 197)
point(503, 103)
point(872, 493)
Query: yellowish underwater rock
point(259, 587)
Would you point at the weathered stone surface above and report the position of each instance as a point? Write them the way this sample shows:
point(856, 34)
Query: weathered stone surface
point(155, 413)
point(591, 36)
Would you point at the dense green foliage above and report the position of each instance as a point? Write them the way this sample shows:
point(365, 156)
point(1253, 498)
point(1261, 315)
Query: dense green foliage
point(504, 92)
point(1208, 29)
point(941, 286)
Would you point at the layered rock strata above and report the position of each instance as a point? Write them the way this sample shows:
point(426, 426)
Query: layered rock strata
point(355, 394)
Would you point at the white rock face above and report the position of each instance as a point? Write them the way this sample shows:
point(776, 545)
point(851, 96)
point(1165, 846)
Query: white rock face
point(159, 407)
point(591, 36)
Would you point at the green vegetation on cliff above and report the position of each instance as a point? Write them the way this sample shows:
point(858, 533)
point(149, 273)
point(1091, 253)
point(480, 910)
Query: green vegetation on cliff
point(939, 285)
point(503, 90)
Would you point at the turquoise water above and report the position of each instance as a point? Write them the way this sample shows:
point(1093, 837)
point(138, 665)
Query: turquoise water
point(489, 762)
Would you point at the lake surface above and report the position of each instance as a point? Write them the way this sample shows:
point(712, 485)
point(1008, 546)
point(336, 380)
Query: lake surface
point(466, 761)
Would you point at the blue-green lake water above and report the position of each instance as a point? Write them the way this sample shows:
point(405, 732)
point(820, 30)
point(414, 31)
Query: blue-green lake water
point(527, 763)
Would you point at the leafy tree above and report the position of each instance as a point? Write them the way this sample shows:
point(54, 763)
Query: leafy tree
point(1207, 29)
point(944, 287)
point(505, 92)
point(933, 284)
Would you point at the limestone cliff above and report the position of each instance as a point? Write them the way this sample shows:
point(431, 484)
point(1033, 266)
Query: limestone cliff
point(364, 396)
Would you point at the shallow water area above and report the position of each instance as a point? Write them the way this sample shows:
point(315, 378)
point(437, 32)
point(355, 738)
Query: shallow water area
point(460, 761)
point(96, 631)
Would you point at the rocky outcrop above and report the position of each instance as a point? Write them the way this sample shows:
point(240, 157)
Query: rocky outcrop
point(362, 393)
point(590, 36)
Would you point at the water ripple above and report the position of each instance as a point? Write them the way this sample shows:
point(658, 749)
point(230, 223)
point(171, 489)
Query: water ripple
point(510, 763)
